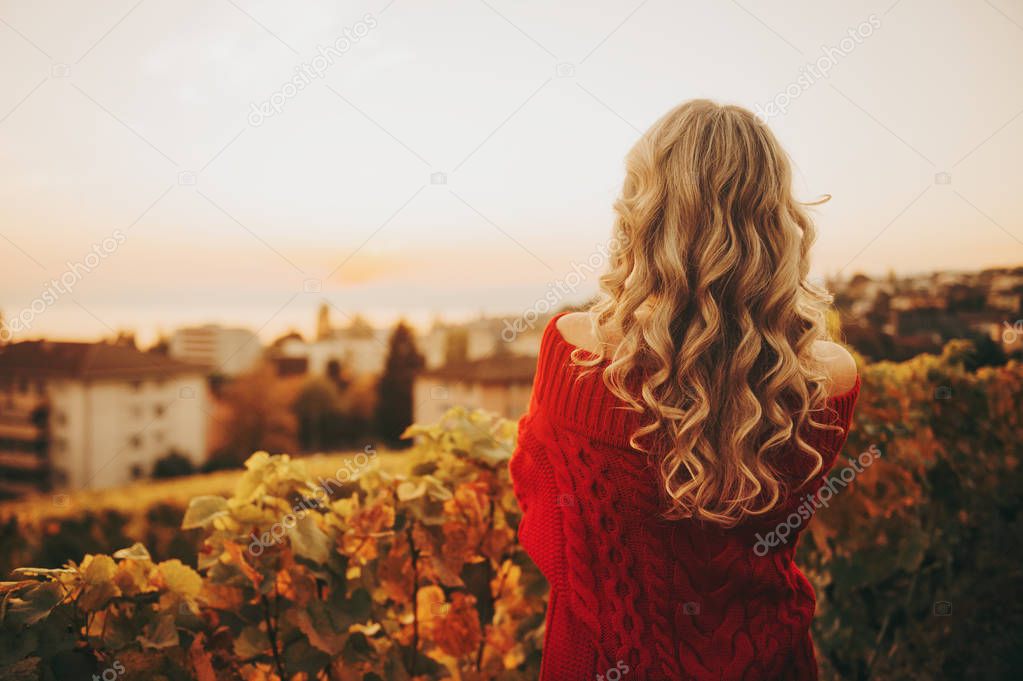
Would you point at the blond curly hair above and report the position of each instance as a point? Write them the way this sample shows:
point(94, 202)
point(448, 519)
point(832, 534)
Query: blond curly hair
point(707, 321)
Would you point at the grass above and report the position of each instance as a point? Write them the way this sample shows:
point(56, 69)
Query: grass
point(175, 491)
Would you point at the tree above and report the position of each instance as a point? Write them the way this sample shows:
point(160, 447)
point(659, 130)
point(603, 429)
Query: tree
point(173, 464)
point(986, 353)
point(259, 416)
point(358, 405)
point(394, 408)
point(318, 411)
point(161, 346)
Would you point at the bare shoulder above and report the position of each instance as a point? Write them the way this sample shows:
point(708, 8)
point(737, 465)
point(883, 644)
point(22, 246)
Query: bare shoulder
point(577, 329)
point(839, 364)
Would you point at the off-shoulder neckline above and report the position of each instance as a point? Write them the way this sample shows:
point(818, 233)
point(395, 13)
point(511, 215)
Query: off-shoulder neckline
point(558, 337)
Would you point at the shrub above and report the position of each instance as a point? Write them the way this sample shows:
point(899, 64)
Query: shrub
point(406, 576)
point(916, 564)
point(173, 465)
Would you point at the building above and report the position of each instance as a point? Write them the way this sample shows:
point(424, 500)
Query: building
point(500, 383)
point(94, 415)
point(356, 356)
point(482, 338)
point(355, 350)
point(221, 350)
point(433, 344)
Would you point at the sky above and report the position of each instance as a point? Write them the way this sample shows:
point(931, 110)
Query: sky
point(457, 158)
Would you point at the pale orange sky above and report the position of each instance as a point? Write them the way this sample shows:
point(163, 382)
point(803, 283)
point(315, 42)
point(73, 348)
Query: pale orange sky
point(104, 106)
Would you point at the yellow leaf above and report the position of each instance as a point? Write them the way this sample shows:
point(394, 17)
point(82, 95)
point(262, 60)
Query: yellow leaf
point(132, 576)
point(180, 579)
point(430, 603)
point(410, 490)
point(98, 586)
point(136, 551)
point(98, 569)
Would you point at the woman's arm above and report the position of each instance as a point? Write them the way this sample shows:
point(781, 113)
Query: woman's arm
point(540, 530)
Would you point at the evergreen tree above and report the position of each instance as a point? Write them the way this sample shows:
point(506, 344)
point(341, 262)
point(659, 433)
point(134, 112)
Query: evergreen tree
point(394, 407)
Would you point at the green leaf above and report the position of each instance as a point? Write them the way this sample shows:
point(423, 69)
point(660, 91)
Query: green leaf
point(160, 633)
point(180, 579)
point(252, 642)
point(394, 666)
point(407, 491)
point(492, 452)
point(203, 510)
point(136, 551)
point(309, 541)
point(50, 573)
point(302, 658)
point(912, 550)
point(33, 604)
point(97, 583)
point(345, 612)
point(436, 489)
point(324, 631)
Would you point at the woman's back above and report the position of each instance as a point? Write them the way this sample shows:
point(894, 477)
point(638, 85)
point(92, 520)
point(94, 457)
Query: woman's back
point(663, 599)
point(677, 439)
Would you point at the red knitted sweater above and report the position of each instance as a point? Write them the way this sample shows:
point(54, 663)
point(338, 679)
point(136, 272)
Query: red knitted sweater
point(635, 597)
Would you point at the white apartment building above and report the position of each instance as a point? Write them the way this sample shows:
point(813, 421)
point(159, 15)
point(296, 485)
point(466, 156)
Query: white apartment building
point(501, 384)
point(229, 351)
point(94, 415)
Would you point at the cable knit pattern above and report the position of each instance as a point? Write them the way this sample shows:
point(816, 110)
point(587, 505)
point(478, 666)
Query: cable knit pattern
point(632, 591)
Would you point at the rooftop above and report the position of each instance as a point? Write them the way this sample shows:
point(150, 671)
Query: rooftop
point(494, 369)
point(85, 360)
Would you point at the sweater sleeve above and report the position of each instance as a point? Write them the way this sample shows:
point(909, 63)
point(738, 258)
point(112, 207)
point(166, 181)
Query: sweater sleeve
point(535, 487)
point(830, 441)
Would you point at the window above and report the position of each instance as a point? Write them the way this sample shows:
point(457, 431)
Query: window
point(159, 410)
point(136, 441)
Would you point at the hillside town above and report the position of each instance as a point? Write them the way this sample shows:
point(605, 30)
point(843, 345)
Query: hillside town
point(895, 318)
point(77, 415)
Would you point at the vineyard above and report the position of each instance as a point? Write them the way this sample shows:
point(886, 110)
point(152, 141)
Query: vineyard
point(373, 573)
